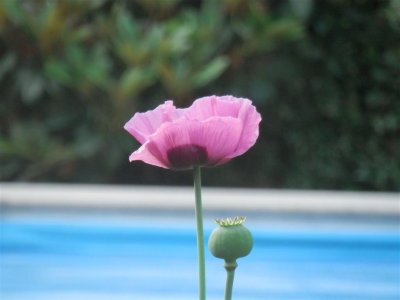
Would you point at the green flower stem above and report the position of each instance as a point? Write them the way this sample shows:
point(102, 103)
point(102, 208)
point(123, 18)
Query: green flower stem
point(230, 275)
point(200, 233)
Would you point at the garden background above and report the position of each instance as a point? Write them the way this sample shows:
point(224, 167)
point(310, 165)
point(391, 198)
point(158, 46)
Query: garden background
point(324, 75)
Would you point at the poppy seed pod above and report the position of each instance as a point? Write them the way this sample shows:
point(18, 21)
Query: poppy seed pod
point(230, 240)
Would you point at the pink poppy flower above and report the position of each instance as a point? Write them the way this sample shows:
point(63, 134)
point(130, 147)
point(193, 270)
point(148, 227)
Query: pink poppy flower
point(210, 132)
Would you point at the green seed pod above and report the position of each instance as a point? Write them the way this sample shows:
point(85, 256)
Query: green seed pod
point(230, 240)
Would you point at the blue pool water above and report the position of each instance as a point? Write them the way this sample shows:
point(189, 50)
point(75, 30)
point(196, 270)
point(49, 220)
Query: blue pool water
point(145, 256)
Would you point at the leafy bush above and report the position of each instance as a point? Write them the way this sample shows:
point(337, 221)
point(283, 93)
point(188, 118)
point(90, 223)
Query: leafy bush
point(324, 75)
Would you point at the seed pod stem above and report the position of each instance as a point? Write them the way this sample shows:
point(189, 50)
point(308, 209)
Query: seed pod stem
point(230, 275)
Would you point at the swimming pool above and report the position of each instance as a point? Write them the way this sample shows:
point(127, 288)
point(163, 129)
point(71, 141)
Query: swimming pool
point(144, 255)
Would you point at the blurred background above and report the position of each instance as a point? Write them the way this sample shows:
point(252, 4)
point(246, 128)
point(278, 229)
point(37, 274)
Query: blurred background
point(323, 74)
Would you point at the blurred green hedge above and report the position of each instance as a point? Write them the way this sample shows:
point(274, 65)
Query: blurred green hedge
point(324, 75)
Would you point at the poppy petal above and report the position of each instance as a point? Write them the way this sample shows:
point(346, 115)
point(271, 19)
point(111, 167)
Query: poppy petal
point(206, 107)
point(142, 125)
point(219, 135)
point(251, 120)
point(224, 106)
point(186, 143)
point(143, 154)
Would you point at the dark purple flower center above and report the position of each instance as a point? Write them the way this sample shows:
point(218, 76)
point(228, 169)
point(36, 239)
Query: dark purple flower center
point(187, 156)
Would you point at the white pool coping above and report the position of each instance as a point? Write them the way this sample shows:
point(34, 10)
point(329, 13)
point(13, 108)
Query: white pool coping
point(181, 198)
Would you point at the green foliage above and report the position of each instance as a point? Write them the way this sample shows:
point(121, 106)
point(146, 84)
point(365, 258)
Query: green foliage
point(324, 75)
